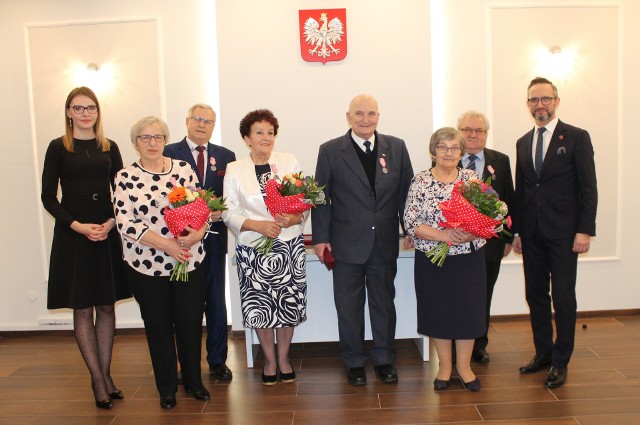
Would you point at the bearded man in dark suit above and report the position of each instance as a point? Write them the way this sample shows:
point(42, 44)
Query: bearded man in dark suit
point(486, 162)
point(209, 161)
point(366, 176)
point(555, 216)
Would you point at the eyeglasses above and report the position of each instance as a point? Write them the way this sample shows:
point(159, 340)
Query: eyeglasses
point(204, 121)
point(468, 130)
point(454, 149)
point(545, 100)
point(79, 109)
point(158, 138)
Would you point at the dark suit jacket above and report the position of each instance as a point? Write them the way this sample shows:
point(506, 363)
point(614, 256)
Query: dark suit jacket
point(355, 218)
point(502, 182)
point(563, 200)
point(214, 244)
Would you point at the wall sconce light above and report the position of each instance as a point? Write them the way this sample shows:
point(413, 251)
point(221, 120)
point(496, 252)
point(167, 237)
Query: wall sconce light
point(100, 78)
point(553, 50)
point(556, 62)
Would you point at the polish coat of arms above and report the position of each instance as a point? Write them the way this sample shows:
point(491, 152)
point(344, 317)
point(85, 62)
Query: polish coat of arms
point(323, 39)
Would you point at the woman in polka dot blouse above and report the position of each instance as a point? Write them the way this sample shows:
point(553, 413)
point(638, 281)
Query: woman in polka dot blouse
point(151, 252)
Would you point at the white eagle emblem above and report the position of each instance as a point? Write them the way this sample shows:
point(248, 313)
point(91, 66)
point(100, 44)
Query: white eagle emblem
point(323, 37)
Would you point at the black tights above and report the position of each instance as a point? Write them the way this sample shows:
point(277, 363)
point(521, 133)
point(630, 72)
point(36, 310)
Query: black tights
point(96, 343)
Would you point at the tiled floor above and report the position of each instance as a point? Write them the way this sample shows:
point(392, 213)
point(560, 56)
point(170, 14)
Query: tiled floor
point(43, 381)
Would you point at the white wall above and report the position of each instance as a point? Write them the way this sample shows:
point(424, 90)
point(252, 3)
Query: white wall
point(260, 66)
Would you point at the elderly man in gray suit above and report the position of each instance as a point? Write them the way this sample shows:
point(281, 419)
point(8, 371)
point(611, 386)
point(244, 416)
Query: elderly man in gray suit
point(366, 176)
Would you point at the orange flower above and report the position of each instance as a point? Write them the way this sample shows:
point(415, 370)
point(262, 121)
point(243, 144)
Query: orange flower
point(176, 195)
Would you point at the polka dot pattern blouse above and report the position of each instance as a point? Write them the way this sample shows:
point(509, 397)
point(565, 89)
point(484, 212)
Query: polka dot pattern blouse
point(138, 200)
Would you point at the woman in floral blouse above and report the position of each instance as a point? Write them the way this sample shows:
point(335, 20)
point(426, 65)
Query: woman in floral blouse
point(451, 298)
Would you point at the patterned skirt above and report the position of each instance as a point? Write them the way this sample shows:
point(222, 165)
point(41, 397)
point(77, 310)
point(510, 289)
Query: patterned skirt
point(273, 288)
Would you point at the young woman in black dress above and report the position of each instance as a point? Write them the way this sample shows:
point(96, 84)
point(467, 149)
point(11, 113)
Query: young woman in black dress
point(85, 269)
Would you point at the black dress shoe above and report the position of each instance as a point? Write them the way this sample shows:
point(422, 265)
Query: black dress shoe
point(357, 376)
point(199, 392)
point(480, 355)
point(471, 386)
point(387, 373)
point(269, 379)
point(104, 404)
point(221, 372)
point(538, 363)
point(116, 395)
point(439, 384)
point(168, 401)
point(557, 377)
point(288, 378)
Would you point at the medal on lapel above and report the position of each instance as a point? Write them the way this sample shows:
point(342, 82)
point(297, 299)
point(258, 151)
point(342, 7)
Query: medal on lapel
point(383, 163)
point(212, 161)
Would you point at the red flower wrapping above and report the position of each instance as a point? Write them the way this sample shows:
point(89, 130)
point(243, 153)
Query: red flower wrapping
point(279, 204)
point(460, 213)
point(194, 215)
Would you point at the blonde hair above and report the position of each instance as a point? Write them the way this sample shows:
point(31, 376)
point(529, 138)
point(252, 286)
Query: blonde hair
point(67, 139)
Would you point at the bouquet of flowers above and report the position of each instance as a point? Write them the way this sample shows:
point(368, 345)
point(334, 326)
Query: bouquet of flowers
point(188, 207)
point(475, 208)
point(294, 195)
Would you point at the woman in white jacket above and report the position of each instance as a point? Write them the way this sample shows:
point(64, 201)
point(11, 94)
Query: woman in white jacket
point(273, 287)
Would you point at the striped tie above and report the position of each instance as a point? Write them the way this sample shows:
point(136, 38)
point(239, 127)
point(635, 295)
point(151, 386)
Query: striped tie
point(472, 163)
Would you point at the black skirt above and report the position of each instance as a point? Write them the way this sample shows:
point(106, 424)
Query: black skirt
point(451, 299)
point(83, 273)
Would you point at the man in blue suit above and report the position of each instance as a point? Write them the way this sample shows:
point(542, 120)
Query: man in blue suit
point(366, 176)
point(555, 216)
point(210, 161)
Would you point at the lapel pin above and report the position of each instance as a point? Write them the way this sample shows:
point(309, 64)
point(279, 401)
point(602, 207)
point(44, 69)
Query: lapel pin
point(212, 161)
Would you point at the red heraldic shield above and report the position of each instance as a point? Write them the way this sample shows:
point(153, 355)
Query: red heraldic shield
point(323, 35)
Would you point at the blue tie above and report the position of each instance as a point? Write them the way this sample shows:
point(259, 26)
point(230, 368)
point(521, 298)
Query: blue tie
point(472, 163)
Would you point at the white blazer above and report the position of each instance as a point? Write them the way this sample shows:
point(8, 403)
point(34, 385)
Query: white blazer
point(244, 199)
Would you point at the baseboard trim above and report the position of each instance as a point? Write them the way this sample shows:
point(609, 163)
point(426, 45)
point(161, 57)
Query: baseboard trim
point(240, 334)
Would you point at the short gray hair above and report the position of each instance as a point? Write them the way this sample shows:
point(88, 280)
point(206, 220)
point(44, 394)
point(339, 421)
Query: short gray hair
point(446, 133)
point(147, 121)
point(473, 114)
point(200, 106)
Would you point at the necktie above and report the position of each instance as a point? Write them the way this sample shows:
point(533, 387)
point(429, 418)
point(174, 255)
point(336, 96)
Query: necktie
point(367, 145)
point(200, 162)
point(539, 156)
point(472, 163)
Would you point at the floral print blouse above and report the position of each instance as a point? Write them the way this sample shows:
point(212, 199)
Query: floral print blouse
point(423, 207)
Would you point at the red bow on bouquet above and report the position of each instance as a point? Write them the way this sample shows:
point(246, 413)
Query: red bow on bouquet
point(194, 215)
point(475, 208)
point(188, 207)
point(460, 214)
point(279, 204)
point(294, 195)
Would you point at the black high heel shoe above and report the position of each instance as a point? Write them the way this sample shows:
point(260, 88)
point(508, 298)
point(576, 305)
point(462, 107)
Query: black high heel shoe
point(116, 395)
point(471, 386)
point(101, 404)
point(104, 404)
point(439, 384)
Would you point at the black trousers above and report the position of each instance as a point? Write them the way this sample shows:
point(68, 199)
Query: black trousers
point(172, 315)
point(353, 284)
point(550, 269)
